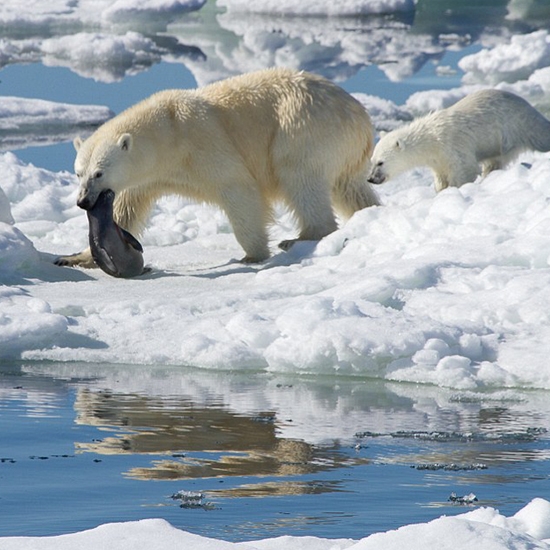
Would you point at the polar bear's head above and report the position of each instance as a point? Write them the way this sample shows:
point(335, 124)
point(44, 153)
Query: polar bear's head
point(102, 164)
point(389, 158)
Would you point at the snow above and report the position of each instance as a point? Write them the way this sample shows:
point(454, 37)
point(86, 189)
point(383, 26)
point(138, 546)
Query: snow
point(23, 121)
point(450, 289)
point(521, 56)
point(107, 12)
point(316, 7)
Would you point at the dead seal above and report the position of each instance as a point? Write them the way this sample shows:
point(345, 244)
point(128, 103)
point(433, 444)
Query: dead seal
point(114, 250)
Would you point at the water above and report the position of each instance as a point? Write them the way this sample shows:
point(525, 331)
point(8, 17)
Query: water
point(62, 85)
point(264, 455)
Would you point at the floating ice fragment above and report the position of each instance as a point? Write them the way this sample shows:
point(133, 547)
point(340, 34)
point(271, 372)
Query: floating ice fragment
point(267, 418)
point(466, 499)
point(452, 467)
point(530, 434)
point(192, 499)
point(189, 497)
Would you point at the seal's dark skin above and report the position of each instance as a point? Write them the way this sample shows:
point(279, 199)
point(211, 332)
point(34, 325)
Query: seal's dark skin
point(114, 250)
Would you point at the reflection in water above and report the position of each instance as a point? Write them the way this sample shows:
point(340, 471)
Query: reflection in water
point(157, 426)
point(487, 456)
point(285, 458)
point(266, 454)
point(214, 43)
point(280, 488)
point(255, 426)
point(203, 425)
point(237, 445)
point(289, 522)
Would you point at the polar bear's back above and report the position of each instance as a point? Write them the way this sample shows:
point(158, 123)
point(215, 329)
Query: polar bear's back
point(271, 119)
point(294, 98)
point(300, 113)
point(501, 122)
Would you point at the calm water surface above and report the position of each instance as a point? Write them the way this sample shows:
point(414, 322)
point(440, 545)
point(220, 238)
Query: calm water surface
point(246, 456)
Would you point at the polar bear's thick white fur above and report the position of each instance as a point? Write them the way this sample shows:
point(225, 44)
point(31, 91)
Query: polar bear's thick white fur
point(480, 133)
point(241, 144)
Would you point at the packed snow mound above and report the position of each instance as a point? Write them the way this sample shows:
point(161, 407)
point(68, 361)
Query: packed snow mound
point(316, 7)
point(508, 62)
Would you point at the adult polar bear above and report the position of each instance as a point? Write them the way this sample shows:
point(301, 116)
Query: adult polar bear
point(241, 144)
point(488, 128)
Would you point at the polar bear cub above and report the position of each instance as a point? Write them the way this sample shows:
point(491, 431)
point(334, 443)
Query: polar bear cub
point(241, 144)
point(480, 133)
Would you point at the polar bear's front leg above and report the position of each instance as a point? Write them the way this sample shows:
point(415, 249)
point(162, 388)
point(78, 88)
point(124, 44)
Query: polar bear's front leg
point(249, 216)
point(441, 182)
point(456, 174)
point(489, 165)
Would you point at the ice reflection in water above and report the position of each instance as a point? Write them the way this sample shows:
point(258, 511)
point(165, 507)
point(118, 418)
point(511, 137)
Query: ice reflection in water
point(313, 453)
point(234, 444)
point(247, 426)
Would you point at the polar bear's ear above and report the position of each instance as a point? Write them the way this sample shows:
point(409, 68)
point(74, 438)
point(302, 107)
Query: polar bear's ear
point(125, 142)
point(77, 142)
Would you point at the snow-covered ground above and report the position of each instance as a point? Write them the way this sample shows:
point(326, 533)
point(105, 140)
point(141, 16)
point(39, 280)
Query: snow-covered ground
point(450, 289)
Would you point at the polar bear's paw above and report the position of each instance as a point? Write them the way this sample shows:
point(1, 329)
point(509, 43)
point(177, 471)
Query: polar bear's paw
point(287, 245)
point(80, 259)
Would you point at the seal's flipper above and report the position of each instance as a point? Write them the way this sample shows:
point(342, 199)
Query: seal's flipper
point(131, 240)
point(103, 260)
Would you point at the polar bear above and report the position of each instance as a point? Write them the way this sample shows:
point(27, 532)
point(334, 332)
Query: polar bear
point(240, 143)
point(488, 128)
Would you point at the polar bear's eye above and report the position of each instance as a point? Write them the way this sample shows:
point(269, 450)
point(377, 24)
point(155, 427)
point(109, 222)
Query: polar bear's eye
point(381, 163)
point(98, 175)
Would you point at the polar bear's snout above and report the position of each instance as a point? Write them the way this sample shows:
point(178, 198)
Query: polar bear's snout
point(86, 198)
point(377, 174)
